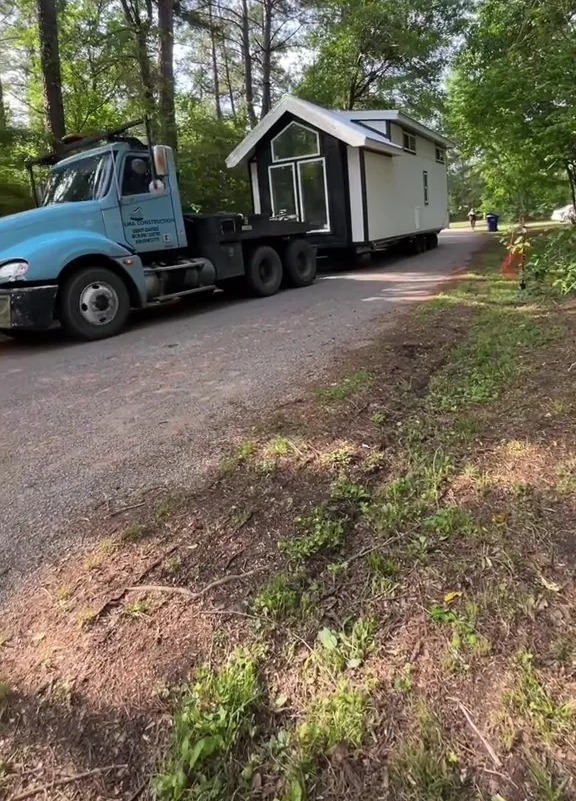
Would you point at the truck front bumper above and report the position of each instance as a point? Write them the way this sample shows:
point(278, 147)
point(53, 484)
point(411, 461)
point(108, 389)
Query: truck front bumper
point(30, 307)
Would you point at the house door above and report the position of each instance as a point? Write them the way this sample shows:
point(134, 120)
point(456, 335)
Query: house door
point(299, 190)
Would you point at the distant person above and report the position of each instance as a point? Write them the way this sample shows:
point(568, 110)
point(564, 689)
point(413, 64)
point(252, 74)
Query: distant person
point(472, 219)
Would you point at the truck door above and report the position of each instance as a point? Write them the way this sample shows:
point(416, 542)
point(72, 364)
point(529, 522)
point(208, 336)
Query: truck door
point(148, 218)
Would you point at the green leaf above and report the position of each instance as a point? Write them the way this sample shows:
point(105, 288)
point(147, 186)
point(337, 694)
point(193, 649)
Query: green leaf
point(328, 639)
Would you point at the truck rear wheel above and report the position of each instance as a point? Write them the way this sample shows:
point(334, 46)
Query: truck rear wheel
point(264, 272)
point(93, 304)
point(299, 263)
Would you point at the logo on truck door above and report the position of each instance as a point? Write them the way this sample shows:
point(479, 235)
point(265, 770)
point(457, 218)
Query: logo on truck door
point(136, 214)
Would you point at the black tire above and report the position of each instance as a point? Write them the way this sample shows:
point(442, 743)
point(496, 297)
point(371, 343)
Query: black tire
point(415, 245)
point(299, 260)
point(264, 272)
point(431, 241)
point(93, 304)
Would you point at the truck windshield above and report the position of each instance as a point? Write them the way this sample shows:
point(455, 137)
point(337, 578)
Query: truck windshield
point(85, 179)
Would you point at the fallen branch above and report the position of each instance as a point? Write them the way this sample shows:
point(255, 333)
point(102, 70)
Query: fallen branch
point(69, 780)
point(126, 508)
point(188, 593)
point(490, 751)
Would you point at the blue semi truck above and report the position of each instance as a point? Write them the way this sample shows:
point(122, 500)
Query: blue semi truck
point(109, 235)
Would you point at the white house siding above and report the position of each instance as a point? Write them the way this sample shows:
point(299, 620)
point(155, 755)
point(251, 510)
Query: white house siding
point(395, 190)
point(355, 190)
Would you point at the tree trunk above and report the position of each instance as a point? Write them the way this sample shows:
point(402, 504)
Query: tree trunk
point(267, 7)
point(247, 58)
point(214, 55)
point(166, 97)
point(3, 120)
point(50, 63)
point(229, 86)
point(141, 29)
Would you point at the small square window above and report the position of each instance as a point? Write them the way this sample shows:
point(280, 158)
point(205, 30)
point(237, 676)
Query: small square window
point(426, 193)
point(409, 142)
point(440, 155)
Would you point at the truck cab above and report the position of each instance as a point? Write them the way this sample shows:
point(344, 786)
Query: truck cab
point(109, 235)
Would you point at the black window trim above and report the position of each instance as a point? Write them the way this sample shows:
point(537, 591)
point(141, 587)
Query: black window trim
point(413, 137)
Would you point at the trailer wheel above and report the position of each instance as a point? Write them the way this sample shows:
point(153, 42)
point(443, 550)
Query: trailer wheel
point(93, 304)
point(432, 241)
point(264, 272)
point(299, 263)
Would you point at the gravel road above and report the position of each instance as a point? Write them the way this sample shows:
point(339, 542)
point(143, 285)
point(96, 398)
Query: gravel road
point(81, 422)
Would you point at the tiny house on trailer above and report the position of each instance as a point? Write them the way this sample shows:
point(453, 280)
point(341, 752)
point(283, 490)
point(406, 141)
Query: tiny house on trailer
point(365, 179)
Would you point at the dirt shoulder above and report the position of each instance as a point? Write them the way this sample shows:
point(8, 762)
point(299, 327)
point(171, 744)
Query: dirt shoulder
point(373, 598)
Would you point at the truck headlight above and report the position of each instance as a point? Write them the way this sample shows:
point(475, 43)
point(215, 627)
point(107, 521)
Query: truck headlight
point(12, 270)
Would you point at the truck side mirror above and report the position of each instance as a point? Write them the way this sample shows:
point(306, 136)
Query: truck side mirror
point(161, 155)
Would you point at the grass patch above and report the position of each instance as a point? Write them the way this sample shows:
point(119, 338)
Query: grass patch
point(346, 388)
point(424, 768)
point(341, 650)
point(282, 598)
point(135, 532)
point(213, 723)
point(533, 702)
point(319, 531)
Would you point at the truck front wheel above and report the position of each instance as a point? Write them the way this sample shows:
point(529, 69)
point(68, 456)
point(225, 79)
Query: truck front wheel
point(93, 304)
point(264, 272)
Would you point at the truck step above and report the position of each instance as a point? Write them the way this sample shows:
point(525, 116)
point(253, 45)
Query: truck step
point(175, 295)
point(190, 264)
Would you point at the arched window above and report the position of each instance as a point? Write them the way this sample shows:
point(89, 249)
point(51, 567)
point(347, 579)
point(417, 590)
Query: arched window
point(295, 142)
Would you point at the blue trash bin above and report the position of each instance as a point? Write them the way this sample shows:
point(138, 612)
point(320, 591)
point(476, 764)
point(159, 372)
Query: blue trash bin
point(492, 222)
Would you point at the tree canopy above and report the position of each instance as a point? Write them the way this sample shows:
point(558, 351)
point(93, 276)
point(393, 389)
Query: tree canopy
point(511, 101)
point(495, 74)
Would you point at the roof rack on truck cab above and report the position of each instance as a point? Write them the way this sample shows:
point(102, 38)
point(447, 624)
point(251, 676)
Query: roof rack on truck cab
point(73, 144)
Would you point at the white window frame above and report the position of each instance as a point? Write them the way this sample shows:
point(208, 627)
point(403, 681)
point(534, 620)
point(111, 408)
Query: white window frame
point(411, 137)
point(327, 229)
point(282, 166)
point(426, 187)
point(440, 155)
point(293, 158)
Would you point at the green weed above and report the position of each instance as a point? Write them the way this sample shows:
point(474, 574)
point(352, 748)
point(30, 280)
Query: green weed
point(134, 533)
point(346, 649)
point(424, 769)
point(464, 634)
point(104, 550)
point(212, 723)
point(345, 490)
point(404, 681)
point(86, 617)
point(318, 531)
point(546, 785)
point(349, 386)
point(282, 446)
point(449, 521)
point(138, 609)
point(529, 698)
point(282, 598)
point(337, 719)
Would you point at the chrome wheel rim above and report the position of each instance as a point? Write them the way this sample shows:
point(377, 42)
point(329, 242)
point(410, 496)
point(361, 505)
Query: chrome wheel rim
point(99, 303)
